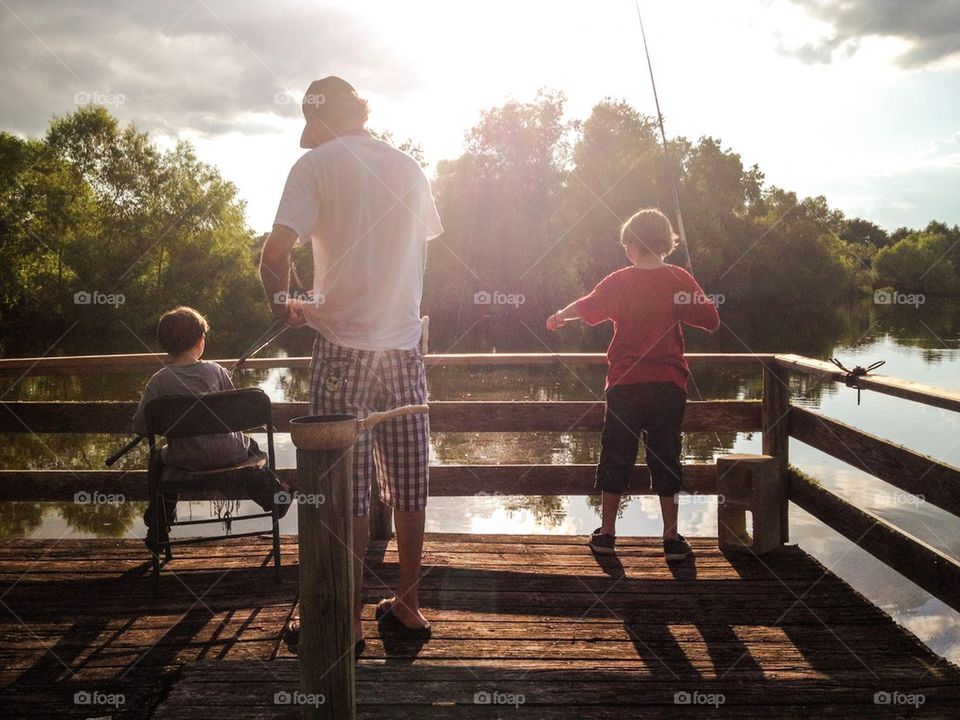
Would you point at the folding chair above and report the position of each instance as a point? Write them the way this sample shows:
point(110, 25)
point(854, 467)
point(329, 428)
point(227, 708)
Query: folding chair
point(182, 416)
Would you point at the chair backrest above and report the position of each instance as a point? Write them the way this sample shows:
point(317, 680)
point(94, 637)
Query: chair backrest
point(208, 414)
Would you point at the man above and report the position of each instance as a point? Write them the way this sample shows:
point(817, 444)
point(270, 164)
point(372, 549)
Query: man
point(368, 210)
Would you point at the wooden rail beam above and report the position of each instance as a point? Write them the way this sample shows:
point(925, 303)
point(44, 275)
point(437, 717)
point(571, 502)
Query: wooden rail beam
point(925, 394)
point(924, 565)
point(445, 416)
point(445, 481)
point(934, 481)
point(96, 364)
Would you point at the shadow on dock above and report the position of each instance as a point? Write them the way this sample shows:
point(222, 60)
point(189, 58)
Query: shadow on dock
point(524, 626)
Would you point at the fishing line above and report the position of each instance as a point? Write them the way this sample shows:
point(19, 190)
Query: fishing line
point(684, 250)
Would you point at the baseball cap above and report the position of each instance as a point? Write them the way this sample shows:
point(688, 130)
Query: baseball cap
point(328, 97)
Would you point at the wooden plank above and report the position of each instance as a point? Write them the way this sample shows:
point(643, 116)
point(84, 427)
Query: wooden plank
point(153, 361)
point(445, 481)
point(931, 480)
point(925, 394)
point(445, 416)
point(510, 613)
point(924, 565)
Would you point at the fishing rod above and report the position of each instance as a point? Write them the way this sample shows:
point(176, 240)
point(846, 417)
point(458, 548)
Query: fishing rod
point(684, 251)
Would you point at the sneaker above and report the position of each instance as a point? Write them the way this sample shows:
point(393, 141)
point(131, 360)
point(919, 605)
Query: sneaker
point(676, 550)
point(602, 543)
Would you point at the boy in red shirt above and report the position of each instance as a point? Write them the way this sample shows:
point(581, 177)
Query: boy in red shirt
point(646, 384)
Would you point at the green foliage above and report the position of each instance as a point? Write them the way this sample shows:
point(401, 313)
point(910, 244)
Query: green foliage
point(860, 231)
point(531, 209)
point(499, 204)
point(534, 205)
point(96, 208)
point(920, 263)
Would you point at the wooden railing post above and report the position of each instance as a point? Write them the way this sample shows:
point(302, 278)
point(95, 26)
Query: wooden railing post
point(325, 519)
point(775, 426)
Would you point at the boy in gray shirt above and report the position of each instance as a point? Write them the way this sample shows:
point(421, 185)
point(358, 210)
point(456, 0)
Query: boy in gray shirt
point(182, 335)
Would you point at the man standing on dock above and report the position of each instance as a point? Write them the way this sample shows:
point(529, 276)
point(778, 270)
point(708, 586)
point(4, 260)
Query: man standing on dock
point(368, 210)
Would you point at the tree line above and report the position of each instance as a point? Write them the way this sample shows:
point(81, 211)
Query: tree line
point(100, 231)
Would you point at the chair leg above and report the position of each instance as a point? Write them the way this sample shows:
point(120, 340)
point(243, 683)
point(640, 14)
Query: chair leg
point(275, 516)
point(155, 539)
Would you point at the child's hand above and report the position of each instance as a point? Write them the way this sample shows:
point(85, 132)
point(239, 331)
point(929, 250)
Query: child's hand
point(555, 322)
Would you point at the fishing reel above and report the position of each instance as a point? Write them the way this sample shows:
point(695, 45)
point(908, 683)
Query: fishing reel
point(850, 377)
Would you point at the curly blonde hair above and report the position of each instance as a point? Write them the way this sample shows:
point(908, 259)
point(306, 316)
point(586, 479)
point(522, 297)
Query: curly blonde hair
point(650, 230)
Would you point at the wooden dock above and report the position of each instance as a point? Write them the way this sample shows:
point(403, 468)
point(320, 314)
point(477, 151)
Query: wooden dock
point(524, 627)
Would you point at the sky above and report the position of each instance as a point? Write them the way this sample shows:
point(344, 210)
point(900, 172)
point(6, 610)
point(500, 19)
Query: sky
point(857, 100)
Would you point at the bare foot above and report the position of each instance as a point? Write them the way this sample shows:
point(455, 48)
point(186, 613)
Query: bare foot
point(410, 617)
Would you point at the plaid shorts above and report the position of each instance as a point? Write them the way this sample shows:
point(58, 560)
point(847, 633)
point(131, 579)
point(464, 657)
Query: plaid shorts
point(358, 382)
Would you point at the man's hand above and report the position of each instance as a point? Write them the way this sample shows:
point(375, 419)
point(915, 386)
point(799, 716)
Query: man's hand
point(290, 310)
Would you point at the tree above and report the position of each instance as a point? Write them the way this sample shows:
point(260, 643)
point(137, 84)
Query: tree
point(494, 268)
point(918, 263)
point(860, 231)
point(96, 211)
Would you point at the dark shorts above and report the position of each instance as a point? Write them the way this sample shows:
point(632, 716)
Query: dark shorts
point(655, 411)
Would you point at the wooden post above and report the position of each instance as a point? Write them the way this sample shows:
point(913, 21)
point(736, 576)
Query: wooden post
point(749, 483)
point(775, 426)
point(325, 517)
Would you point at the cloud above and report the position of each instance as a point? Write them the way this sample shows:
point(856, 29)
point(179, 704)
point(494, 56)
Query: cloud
point(930, 27)
point(210, 66)
point(944, 152)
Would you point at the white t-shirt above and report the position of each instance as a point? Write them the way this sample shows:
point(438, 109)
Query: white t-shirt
point(369, 211)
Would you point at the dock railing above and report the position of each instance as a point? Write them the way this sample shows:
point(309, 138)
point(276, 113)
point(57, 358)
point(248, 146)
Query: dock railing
point(774, 415)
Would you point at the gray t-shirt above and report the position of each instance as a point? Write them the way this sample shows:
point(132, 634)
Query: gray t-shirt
point(201, 453)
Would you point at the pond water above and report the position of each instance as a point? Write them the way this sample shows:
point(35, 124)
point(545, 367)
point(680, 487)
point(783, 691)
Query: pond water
point(920, 344)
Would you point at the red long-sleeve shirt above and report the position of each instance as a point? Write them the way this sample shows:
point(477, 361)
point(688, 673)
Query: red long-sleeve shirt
point(647, 308)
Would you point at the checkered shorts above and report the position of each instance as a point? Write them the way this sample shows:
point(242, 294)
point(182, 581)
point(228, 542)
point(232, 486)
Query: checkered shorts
point(358, 382)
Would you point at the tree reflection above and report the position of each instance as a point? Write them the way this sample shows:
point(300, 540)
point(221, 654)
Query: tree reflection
point(547, 510)
point(19, 519)
point(104, 520)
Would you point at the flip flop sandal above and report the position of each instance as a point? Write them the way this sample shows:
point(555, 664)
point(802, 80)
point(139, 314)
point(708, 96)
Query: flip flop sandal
point(291, 636)
point(389, 621)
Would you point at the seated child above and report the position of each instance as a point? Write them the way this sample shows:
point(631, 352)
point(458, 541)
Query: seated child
point(646, 383)
point(182, 335)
